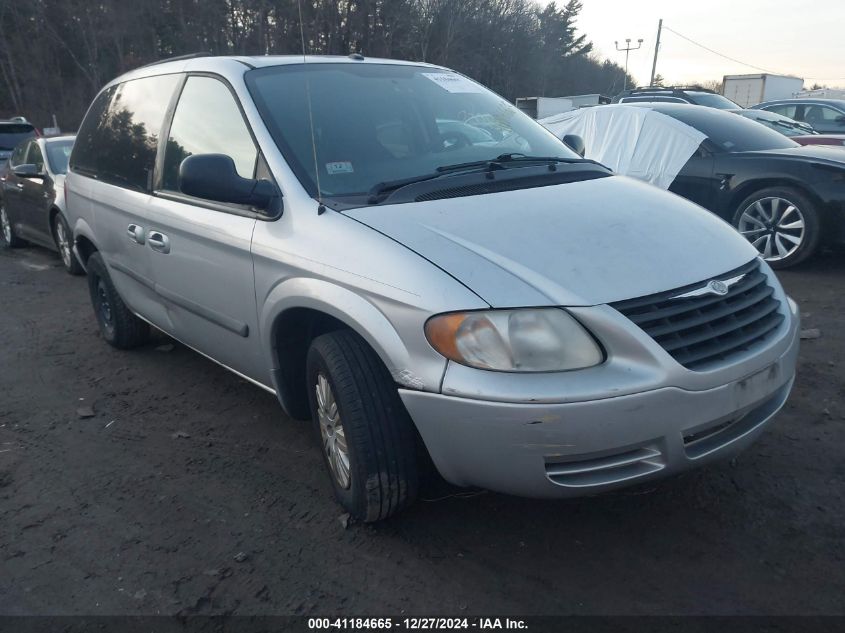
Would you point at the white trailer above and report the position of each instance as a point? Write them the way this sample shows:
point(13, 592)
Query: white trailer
point(749, 90)
point(542, 107)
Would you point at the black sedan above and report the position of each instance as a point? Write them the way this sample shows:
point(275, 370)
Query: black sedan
point(32, 197)
point(785, 198)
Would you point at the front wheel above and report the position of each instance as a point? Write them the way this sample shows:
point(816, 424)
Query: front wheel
point(781, 223)
point(367, 436)
point(64, 244)
point(118, 325)
point(11, 240)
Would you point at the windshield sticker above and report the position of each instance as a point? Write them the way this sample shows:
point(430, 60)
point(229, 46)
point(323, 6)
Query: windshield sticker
point(453, 82)
point(339, 167)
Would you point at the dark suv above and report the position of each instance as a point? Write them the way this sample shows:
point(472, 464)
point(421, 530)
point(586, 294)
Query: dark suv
point(13, 132)
point(695, 95)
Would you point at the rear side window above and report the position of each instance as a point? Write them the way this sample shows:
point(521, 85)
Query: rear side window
point(118, 140)
point(207, 121)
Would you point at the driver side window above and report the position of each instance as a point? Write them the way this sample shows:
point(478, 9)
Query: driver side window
point(35, 157)
point(207, 121)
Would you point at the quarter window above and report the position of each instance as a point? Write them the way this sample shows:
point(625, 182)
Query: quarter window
point(207, 121)
point(118, 140)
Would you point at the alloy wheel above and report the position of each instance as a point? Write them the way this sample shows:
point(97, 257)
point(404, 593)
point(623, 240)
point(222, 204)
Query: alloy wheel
point(332, 432)
point(774, 226)
point(7, 226)
point(63, 243)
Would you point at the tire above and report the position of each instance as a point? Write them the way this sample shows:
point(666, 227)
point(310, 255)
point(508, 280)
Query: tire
point(770, 220)
point(7, 231)
point(118, 325)
point(64, 244)
point(372, 421)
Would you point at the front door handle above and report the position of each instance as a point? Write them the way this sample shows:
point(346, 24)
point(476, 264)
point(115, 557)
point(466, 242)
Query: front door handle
point(136, 233)
point(158, 242)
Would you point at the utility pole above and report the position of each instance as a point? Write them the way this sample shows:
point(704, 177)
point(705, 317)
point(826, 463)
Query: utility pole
point(656, 49)
point(627, 48)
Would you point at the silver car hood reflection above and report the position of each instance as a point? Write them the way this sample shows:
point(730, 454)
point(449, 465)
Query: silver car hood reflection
point(575, 244)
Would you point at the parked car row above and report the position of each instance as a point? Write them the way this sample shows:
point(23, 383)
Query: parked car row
point(428, 275)
point(32, 197)
point(787, 200)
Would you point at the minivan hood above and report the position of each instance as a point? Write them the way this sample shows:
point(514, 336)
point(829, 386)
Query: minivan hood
point(573, 244)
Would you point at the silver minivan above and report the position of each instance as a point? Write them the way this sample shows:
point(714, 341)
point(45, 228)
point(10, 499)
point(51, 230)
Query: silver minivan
point(403, 257)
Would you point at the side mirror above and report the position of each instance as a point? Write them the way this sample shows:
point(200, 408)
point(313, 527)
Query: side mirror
point(575, 143)
point(214, 177)
point(840, 118)
point(27, 171)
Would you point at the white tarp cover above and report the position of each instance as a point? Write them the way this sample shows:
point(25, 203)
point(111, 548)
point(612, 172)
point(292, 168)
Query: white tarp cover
point(633, 141)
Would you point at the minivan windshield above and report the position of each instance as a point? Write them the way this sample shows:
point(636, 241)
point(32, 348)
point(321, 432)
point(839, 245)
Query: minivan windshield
point(378, 123)
point(13, 133)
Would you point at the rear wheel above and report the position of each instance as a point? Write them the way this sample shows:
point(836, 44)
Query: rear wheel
point(118, 325)
point(9, 238)
point(781, 223)
point(61, 235)
point(367, 436)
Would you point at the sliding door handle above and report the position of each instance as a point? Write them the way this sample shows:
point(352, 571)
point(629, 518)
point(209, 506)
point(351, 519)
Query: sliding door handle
point(136, 233)
point(158, 242)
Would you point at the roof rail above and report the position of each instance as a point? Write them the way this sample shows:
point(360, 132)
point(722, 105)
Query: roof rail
point(179, 58)
point(674, 88)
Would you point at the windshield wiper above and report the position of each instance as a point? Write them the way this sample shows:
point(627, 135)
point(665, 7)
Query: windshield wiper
point(500, 162)
point(503, 159)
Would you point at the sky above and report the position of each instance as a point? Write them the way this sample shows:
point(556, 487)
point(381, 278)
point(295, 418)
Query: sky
point(805, 38)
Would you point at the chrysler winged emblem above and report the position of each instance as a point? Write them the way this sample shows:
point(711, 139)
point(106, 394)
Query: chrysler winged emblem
point(718, 287)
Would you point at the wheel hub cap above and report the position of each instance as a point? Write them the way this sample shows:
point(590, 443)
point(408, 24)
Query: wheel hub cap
point(332, 432)
point(774, 226)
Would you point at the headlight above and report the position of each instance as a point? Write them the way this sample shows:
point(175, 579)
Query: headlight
point(545, 339)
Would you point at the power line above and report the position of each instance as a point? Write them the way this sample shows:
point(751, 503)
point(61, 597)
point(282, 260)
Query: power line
point(691, 41)
point(737, 61)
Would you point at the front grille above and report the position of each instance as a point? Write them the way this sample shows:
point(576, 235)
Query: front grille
point(700, 332)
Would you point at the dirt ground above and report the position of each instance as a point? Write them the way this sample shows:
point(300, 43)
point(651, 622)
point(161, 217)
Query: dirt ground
point(189, 492)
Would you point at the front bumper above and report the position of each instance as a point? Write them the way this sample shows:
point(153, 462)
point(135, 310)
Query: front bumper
point(577, 448)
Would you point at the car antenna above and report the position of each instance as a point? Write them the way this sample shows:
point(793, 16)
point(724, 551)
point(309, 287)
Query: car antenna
point(321, 208)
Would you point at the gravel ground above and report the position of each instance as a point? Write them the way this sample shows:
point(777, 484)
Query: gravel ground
point(189, 492)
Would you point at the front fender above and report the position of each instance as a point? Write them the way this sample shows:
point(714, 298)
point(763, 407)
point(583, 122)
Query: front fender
point(362, 316)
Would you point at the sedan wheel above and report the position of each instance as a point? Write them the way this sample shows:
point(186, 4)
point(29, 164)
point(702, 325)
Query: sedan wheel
point(782, 223)
point(63, 244)
point(9, 236)
point(63, 240)
point(774, 226)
